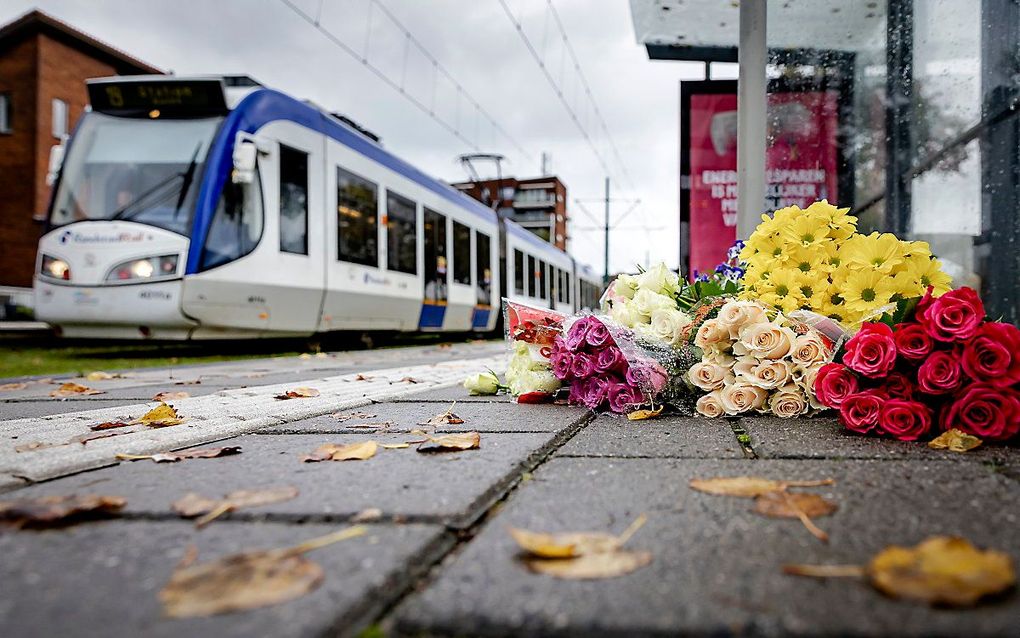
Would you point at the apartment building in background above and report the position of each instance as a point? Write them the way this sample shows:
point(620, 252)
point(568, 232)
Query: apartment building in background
point(538, 203)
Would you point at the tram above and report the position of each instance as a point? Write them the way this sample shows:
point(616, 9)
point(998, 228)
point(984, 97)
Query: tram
point(212, 208)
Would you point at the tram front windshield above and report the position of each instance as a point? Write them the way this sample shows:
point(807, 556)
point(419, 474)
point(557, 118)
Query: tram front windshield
point(140, 170)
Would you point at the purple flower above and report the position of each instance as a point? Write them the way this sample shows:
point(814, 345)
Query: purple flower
point(576, 396)
point(578, 334)
point(648, 375)
point(561, 364)
point(609, 359)
point(582, 366)
point(598, 335)
point(623, 396)
point(595, 392)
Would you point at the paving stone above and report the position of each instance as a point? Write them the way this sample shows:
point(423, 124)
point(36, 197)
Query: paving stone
point(10, 410)
point(455, 393)
point(483, 417)
point(825, 438)
point(102, 579)
point(452, 487)
point(661, 437)
point(717, 565)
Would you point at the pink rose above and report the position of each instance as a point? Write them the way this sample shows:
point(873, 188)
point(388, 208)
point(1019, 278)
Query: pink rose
point(577, 336)
point(912, 341)
point(955, 316)
point(561, 365)
point(904, 420)
point(834, 383)
point(860, 412)
point(648, 375)
point(624, 397)
point(576, 396)
point(993, 355)
point(582, 366)
point(598, 335)
point(596, 391)
point(609, 359)
point(986, 411)
point(872, 351)
point(940, 373)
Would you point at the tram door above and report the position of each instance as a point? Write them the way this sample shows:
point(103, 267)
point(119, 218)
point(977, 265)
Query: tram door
point(436, 282)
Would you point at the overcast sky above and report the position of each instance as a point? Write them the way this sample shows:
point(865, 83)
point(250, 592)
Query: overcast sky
point(478, 44)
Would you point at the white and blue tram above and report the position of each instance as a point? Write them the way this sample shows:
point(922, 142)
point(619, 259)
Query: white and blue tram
point(204, 208)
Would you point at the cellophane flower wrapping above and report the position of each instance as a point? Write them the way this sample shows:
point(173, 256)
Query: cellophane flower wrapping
point(530, 333)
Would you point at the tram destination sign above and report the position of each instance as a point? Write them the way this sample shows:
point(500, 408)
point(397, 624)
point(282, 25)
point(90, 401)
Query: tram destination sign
point(174, 98)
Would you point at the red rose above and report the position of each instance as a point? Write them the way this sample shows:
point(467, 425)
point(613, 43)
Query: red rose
point(955, 316)
point(898, 386)
point(904, 420)
point(987, 412)
point(940, 373)
point(834, 383)
point(993, 355)
point(872, 351)
point(860, 412)
point(912, 341)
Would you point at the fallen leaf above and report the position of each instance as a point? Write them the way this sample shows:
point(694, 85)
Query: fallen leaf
point(380, 424)
point(366, 515)
point(394, 446)
point(321, 355)
point(801, 506)
point(170, 396)
point(304, 356)
point(193, 505)
point(955, 441)
point(410, 380)
point(362, 377)
point(337, 452)
point(564, 545)
point(749, 486)
point(108, 425)
point(590, 566)
point(298, 393)
point(49, 510)
point(826, 571)
point(941, 570)
point(451, 442)
point(73, 389)
point(103, 434)
point(641, 415)
point(161, 416)
point(7, 387)
point(446, 418)
point(99, 375)
point(340, 416)
point(246, 581)
point(173, 457)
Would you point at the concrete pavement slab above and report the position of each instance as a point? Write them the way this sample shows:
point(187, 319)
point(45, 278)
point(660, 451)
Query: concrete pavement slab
point(10, 410)
point(455, 393)
point(102, 579)
point(825, 438)
point(483, 417)
point(453, 487)
point(717, 566)
point(662, 437)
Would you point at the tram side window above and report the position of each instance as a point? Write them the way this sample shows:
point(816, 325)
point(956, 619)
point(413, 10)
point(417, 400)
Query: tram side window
point(518, 272)
point(293, 201)
point(402, 234)
point(541, 280)
point(461, 253)
point(236, 226)
point(357, 209)
point(483, 269)
point(532, 276)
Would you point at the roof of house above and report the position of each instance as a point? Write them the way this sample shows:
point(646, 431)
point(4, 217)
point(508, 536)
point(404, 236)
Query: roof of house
point(36, 21)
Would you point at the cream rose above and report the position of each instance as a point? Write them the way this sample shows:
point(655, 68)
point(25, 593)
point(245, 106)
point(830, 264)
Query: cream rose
point(646, 302)
point(737, 398)
point(626, 314)
point(710, 405)
point(809, 350)
point(669, 325)
point(768, 374)
point(765, 341)
point(707, 376)
point(734, 315)
point(807, 383)
point(718, 354)
point(711, 333)
point(625, 286)
point(788, 402)
point(658, 279)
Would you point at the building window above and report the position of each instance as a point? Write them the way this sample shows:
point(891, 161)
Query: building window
point(60, 118)
point(5, 112)
point(357, 207)
point(532, 276)
point(461, 253)
point(402, 234)
point(518, 272)
point(293, 201)
point(483, 269)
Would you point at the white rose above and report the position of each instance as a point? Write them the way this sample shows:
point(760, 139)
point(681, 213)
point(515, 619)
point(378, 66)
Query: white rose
point(710, 405)
point(626, 314)
point(658, 279)
point(483, 383)
point(533, 381)
point(788, 402)
point(741, 397)
point(769, 374)
point(718, 354)
point(670, 325)
point(646, 302)
point(707, 376)
point(809, 350)
point(734, 315)
point(765, 341)
point(710, 334)
point(625, 286)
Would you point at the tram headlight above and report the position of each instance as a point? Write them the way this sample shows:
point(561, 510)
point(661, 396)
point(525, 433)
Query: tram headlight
point(55, 268)
point(142, 269)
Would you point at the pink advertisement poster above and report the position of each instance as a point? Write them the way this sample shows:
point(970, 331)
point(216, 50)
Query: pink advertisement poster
point(800, 164)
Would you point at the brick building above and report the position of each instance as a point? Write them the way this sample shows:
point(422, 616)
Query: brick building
point(539, 203)
point(43, 67)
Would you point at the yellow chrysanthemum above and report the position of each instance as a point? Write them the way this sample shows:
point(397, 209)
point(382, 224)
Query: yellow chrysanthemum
point(806, 259)
point(806, 231)
point(841, 225)
point(866, 291)
point(814, 289)
point(782, 289)
point(879, 252)
point(931, 274)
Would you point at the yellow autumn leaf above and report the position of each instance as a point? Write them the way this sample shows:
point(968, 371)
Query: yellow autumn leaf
point(591, 566)
point(160, 416)
point(73, 389)
point(954, 440)
point(99, 375)
point(361, 451)
point(299, 393)
point(451, 442)
point(564, 545)
point(641, 415)
point(394, 446)
point(749, 486)
point(171, 396)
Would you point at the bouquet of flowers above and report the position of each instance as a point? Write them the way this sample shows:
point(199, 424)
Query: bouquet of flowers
point(946, 367)
point(814, 259)
point(753, 362)
point(531, 333)
point(647, 304)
